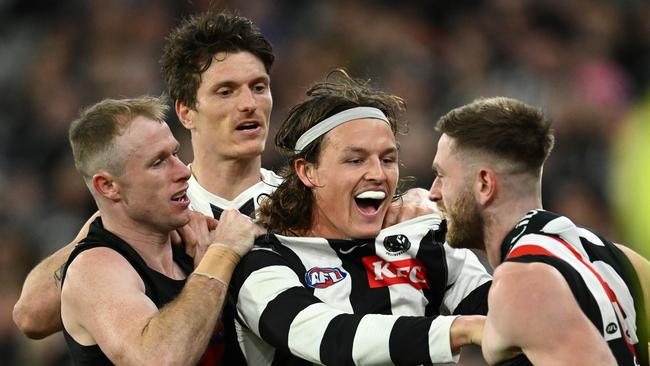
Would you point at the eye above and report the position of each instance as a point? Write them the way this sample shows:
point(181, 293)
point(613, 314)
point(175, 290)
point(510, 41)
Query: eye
point(389, 160)
point(260, 88)
point(224, 92)
point(355, 161)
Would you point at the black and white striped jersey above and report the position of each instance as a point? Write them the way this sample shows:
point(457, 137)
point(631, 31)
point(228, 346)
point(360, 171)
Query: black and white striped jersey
point(247, 202)
point(304, 300)
point(212, 205)
point(599, 275)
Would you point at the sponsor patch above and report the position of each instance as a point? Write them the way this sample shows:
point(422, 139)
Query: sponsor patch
point(382, 273)
point(318, 277)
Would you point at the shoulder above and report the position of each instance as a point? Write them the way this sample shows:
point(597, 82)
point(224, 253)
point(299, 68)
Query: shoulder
point(98, 267)
point(515, 275)
point(517, 285)
point(524, 293)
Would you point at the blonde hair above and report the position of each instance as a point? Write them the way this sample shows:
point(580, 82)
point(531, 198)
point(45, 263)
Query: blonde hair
point(92, 135)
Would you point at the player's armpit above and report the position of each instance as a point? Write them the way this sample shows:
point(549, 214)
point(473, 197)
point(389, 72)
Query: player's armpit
point(532, 309)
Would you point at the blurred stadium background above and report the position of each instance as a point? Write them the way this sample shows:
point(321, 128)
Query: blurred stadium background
point(585, 62)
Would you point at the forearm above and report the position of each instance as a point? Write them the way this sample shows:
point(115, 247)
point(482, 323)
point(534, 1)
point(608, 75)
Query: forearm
point(37, 313)
point(273, 304)
point(180, 332)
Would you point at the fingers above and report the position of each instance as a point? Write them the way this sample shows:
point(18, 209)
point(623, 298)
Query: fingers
point(392, 214)
point(176, 238)
point(186, 236)
point(212, 222)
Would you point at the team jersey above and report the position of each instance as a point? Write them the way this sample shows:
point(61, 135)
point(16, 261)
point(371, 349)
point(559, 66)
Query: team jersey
point(210, 204)
point(303, 300)
point(599, 275)
point(247, 202)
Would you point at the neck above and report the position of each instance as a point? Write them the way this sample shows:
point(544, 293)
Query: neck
point(152, 245)
point(501, 218)
point(226, 177)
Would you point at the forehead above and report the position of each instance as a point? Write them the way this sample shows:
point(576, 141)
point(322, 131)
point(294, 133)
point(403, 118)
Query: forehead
point(444, 151)
point(367, 133)
point(145, 137)
point(234, 66)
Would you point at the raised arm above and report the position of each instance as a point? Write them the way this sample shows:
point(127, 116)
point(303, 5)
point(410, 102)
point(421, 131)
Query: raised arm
point(37, 313)
point(274, 305)
point(532, 310)
point(104, 301)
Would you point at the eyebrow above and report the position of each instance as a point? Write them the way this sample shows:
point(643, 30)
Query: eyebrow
point(354, 149)
point(230, 83)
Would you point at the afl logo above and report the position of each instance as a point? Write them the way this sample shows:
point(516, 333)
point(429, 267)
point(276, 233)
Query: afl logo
point(396, 244)
point(611, 328)
point(318, 277)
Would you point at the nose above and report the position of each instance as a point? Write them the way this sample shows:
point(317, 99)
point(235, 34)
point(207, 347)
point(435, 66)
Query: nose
point(434, 192)
point(375, 170)
point(247, 101)
point(183, 171)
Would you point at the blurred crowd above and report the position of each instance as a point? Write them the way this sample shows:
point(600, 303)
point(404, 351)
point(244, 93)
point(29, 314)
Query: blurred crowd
point(585, 62)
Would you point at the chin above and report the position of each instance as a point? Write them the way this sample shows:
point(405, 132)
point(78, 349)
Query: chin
point(366, 231)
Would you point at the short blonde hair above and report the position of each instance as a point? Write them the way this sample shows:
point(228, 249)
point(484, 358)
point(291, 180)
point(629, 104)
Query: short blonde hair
point(92, 135)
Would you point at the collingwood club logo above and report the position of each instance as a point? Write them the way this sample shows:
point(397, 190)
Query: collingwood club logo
point(611, 328)
point(396, 244)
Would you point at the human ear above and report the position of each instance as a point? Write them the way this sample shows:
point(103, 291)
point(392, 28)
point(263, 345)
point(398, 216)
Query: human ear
point(305, 172)
point(106, 186)
point(487, 185)
point(184, 114)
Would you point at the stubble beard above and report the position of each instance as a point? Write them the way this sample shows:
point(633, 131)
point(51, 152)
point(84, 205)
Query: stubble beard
point(467, 223)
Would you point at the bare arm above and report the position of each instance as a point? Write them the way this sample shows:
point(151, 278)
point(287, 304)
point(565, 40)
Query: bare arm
point(532, 310)
point(642, 268)
point(37, 312)
point(104, 302)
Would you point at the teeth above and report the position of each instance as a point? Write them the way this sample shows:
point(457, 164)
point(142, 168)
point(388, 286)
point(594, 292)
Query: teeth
point(372, 195)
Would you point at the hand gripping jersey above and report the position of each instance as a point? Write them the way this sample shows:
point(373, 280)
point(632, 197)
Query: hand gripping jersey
point(599, 275)
point(303, 300)
point(212, 205)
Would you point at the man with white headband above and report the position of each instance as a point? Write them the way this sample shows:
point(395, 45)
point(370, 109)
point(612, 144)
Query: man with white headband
point(330, 286)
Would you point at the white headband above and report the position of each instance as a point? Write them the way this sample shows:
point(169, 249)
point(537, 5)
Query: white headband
point(329, 123)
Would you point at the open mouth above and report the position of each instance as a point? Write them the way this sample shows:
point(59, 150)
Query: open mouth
point(247, 126)
point(369, 202)
point(181, 197)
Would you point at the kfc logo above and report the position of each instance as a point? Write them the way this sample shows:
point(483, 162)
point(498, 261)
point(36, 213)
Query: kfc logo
point(323, 277)
point(382, 273)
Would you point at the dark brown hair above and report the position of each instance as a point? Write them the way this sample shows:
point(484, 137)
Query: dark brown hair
point(190, 48)
point(509, 129)
point(289, 208)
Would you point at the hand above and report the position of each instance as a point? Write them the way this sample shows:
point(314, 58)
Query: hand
point(195, 235)
point(466, 329)
point(237, 231)
point(415, 202)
